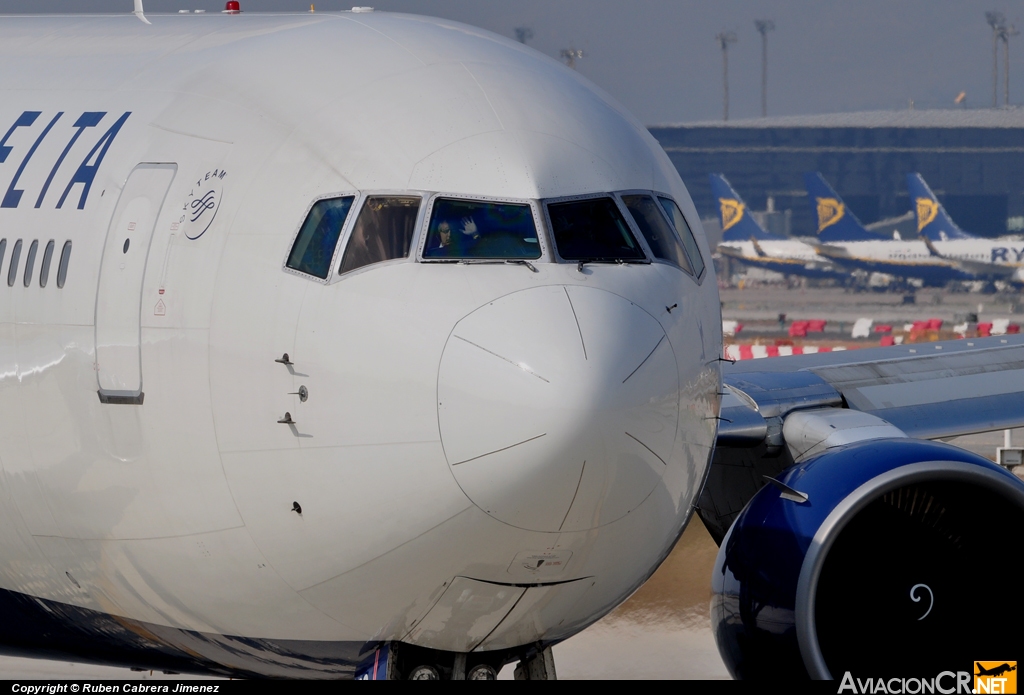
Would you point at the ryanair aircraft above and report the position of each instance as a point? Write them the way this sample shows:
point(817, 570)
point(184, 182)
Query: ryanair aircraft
point(744, 240)
point(993, 259)
point(844, 240)
point(370, 345)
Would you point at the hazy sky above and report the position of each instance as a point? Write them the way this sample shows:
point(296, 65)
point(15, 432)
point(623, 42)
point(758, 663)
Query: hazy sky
point(660, 57)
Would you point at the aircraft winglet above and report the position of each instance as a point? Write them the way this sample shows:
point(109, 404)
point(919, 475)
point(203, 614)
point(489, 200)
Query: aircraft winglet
point(933, 222)
point(140, 12)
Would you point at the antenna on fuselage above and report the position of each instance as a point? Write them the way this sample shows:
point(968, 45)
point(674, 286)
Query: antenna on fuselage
point(140, 12)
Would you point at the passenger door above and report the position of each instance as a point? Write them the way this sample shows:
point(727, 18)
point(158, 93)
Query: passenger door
point(119, 293)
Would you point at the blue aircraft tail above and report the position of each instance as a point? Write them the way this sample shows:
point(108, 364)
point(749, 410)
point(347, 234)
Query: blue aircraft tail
point(737, 224)
point(933, 222)
point(835, 222)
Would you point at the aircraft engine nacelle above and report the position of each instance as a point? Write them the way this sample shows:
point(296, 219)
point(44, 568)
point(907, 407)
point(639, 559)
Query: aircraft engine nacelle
point(888, 557)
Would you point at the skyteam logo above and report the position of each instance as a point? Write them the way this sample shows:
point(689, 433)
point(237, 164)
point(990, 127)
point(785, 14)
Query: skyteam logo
point(732, 212)
point(202, 203)
point(926, 211)
point(830, 211)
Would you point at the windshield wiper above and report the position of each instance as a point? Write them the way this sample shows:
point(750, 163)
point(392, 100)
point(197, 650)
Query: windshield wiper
point(612, 261)
point(498, 261)
point(520, 261)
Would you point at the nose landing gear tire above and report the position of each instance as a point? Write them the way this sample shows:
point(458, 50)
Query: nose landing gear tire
point(424, 673)
point(482, 672)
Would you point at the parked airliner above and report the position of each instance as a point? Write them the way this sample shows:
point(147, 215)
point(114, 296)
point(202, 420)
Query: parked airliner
point(846, 242)
point(370, 345)
point(746, 241)
point(994, 259)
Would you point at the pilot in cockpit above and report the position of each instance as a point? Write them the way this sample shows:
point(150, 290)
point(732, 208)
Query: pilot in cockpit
point(446, 242)
point(442, 242)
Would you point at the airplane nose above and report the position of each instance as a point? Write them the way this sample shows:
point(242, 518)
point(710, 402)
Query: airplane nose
point(558, 407)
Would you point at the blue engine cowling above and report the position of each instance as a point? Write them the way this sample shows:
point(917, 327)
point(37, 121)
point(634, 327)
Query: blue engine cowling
point(894, 566)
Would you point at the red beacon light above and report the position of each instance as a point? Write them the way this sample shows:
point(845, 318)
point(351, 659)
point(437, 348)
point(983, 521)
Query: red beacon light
point(232, 7)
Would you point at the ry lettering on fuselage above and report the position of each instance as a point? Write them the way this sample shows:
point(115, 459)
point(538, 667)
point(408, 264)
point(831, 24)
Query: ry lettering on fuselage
point(1007, 255)
point(84, 174)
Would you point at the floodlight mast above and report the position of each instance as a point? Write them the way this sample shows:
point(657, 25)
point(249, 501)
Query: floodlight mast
point(763, 27)
point(725, 38)
point(1005, 33)
point(996, 20)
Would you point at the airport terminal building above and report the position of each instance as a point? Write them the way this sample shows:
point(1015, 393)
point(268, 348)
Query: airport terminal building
point(973, 159)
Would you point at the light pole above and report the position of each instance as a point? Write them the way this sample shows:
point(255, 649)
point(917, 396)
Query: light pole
point(725, 38)
point(763, 27)
point(997, 21)
point(571, 55)
point(1005, 33)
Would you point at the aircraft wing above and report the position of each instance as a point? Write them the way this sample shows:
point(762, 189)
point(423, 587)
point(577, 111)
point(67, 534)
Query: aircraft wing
point(777, 412)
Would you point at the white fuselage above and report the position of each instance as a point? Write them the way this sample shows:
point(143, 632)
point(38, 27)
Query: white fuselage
point(908, 259)
point(888, 251)
point(1003, 252)
point(486, 457)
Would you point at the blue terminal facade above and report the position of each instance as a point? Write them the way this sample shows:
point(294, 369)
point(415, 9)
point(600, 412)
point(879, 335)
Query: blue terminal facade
point(972, 158)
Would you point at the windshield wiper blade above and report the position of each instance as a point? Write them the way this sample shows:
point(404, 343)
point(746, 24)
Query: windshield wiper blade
point(526, 263)
point(498, 261)
point(612, 261)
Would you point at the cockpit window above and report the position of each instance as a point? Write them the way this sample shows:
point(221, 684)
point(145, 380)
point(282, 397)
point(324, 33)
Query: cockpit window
point(592, 230)
point(685, 233)
point(656, 229)
point(383, 231)
point(314, 246)
point(476, 229)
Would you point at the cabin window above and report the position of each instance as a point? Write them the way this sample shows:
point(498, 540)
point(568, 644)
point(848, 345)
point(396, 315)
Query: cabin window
point(685, 234)
point(30, 261)
point(592, 230)
point(316, 241)
point(62, 269)
point(656, 230)
point(44, 269)
point(475, 229)
point(383, 232)
point(12, 271)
